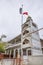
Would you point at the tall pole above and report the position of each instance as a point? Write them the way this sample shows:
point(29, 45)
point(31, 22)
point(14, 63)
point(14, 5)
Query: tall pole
point(22, 17)
point(21, 31)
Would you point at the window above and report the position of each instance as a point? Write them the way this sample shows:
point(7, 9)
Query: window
point(29, 52)
point(12, 52)
point(18, 40)
point(24, 51)
point(25, 25)
point(25, 41)
point(25, 32)
point(16, 53)
point(34, 24)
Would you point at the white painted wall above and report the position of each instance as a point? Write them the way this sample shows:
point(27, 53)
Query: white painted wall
point(36, 42)
point(36, 52)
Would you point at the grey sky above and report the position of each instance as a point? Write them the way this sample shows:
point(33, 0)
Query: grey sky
point(10, 19)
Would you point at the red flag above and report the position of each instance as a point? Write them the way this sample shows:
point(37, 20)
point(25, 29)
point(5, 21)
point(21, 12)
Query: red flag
point(26, 13)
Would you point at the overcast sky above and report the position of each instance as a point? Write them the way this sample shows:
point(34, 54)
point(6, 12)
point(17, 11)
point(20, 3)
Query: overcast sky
point(10, 19)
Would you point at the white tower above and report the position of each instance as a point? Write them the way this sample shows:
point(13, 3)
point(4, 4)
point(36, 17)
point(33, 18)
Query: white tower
point(30, 42)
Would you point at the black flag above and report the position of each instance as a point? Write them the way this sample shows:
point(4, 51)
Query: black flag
point(20, 10)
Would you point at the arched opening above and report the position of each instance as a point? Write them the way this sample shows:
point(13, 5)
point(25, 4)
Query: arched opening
point(25, 32)
point(20, 52)
point(24, 51)
point(12, 52)
point(25, 41)
point(16, 53)
point(29, 52)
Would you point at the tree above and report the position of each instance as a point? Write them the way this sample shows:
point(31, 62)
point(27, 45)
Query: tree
point(2, 49)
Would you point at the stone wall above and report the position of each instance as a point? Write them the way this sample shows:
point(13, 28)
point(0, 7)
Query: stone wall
point(31, 60)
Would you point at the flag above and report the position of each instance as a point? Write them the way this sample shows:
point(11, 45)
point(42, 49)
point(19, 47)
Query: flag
point(20, 10)
point(26, 13)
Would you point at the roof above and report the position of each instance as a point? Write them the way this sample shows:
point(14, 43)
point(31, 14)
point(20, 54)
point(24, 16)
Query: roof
point(13, 40)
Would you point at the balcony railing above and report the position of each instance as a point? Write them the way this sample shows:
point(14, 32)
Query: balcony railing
point(13, 45)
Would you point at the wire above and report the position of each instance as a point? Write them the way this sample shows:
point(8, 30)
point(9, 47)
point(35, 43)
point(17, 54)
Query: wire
point(36, 30)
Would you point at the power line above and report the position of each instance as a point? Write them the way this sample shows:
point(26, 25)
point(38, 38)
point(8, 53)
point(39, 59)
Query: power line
point(36, 31)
